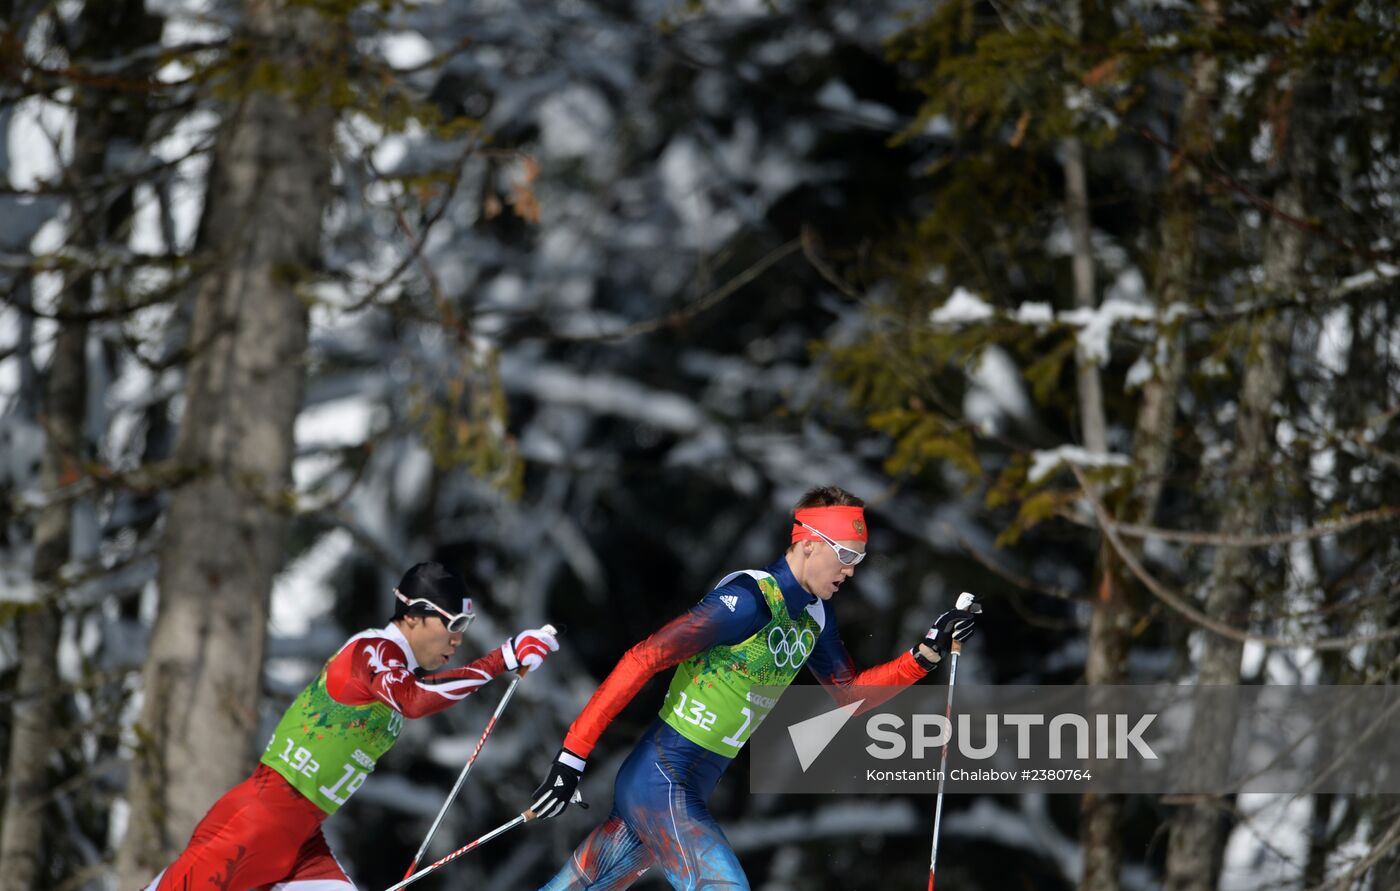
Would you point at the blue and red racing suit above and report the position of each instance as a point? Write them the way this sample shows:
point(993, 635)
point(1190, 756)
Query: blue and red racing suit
point(660, 817)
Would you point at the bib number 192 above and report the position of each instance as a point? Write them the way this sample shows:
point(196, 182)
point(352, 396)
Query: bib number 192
point(300, 760)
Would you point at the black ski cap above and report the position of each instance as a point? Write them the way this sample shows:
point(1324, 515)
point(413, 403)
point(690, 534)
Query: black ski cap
point(433, 582)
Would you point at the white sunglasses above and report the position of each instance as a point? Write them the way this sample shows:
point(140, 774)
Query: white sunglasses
point(845, 555)
point(456, 622)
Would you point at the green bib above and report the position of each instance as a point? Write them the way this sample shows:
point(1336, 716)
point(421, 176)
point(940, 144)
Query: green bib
point(327, 749)
point(711, 701)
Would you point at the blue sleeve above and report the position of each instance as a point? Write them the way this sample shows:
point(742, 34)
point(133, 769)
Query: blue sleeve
point(836, 671)
point(830, 662)
point(732, 613)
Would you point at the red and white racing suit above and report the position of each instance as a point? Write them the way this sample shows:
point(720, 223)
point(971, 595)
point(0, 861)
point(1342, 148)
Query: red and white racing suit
point(264, 834)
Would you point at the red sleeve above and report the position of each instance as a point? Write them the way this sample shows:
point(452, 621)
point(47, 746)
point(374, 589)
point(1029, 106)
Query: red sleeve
point(676, 641)
point(374, 669)
point(842, 680)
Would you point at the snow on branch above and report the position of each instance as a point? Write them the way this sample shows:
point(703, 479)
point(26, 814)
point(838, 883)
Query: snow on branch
point(961, 308)
point(1043, 462)
point(1094, 326)
point(1384, 272)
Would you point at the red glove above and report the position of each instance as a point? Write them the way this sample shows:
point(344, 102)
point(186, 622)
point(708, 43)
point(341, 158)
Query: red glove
point(528, 648)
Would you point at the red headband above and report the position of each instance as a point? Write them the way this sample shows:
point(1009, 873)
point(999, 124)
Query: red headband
point(836, 523)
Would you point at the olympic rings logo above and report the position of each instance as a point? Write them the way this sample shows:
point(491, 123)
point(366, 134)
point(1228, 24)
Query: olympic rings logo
point(790, 646)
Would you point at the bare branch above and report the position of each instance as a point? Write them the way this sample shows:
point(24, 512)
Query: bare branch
point(145, 480)
point(1220, 176)
point(1179, 603)
point(1004, 572)
point(1225, 540)
point(417, 241)
point(809, 250)
point(1381, 849)
point(684, 315)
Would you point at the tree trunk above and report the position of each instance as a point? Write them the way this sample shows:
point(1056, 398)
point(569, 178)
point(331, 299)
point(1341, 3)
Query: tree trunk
point(107, 29)
point(1198, 831)
point(35, 715)
point(1100, 815)
point(225, 532)
point(1174, 270)
point(1107, 659)
point(1091, 415)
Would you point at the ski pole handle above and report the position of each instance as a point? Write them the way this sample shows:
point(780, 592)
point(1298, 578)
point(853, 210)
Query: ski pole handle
point(965, 601)
point(547, 629)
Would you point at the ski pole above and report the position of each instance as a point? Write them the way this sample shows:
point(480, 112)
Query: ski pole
point(499, 830)
point(964, 601)
point(520, 819)
point(461, 777)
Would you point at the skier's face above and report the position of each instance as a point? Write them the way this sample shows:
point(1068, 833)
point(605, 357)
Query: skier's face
point(433, 645)
point(821, 572)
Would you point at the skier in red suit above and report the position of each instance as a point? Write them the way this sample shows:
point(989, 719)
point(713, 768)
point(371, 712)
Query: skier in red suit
point(265, 833)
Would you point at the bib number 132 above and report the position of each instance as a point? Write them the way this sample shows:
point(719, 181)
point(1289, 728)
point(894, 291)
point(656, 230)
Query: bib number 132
point(698, 714)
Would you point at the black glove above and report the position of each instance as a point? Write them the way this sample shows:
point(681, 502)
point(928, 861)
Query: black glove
point(958, 624)
point(560, 787)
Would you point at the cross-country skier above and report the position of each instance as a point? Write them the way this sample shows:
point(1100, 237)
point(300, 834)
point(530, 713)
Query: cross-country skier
point(757, 628)
point(266, 831)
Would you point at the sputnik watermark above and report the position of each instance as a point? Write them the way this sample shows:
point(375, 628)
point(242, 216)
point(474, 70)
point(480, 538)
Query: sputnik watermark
point(1173, 739)
point(961, 775)
point(1111, 735)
